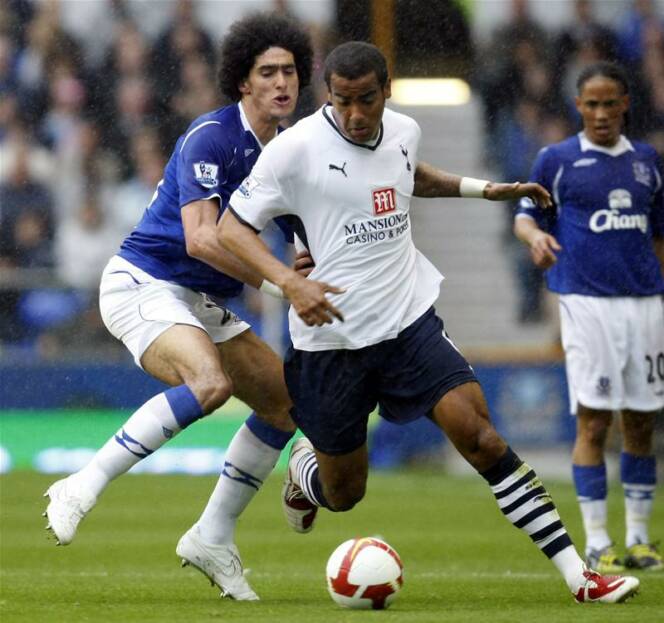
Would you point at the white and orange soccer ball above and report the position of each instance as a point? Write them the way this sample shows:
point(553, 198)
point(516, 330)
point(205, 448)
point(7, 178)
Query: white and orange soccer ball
point(364, 573)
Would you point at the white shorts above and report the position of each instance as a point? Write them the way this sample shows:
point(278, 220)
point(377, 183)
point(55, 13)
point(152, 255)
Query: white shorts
point(614, 351)
point(137, 308)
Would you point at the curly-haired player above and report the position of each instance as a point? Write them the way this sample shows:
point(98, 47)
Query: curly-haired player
point(163, 296)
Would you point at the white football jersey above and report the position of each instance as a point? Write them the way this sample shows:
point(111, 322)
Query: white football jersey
point(353, 202)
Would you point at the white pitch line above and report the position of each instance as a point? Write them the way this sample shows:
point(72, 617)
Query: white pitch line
point(443, 575)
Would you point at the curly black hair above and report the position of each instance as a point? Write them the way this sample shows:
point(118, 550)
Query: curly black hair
point(250, 37)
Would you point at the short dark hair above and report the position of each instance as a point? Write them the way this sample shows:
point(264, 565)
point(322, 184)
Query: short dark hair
point(605, 69)
point(249, 37)
point(355, 59)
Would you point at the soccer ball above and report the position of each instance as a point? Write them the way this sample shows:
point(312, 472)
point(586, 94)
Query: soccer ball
point(364, 573)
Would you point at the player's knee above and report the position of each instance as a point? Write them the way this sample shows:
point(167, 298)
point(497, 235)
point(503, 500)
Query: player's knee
point(594, 432)
point(278, 415)
point(212, 392)
point(343, 497)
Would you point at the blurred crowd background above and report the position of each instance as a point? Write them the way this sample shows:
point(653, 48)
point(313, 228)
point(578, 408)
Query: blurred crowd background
point(93, 95)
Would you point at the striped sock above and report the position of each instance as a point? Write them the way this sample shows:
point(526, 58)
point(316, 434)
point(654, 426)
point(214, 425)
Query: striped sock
point(639, 478)
point(526, 503)
point(306, 477)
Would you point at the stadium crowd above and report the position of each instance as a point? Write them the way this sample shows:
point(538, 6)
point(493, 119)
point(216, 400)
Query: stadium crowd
point(85, 127)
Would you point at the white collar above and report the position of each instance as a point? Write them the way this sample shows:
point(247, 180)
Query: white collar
point(619, 148)
point(247, 126)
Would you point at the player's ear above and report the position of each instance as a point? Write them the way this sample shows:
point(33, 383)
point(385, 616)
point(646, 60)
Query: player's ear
point(624, 102)
point(244, 87)
point(577, 103)
point(387, 89)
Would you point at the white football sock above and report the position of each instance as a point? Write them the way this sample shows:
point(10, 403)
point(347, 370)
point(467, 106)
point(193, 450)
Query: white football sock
point(594, 514)
point(571, 567)
point(638, 509)
point(248, 462)
point(144, 432)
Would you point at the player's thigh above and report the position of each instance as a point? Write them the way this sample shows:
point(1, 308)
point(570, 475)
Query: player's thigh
point(332, 396)
point(257, 373)
point(183, 354)
point(417, 368)
point(160, 324)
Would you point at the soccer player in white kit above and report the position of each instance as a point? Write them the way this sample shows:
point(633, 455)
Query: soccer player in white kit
point(604, 248)
point(362, 325)
point(163, 295)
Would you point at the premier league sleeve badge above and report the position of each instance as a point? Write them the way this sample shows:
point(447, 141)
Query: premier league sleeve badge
point(206, 174)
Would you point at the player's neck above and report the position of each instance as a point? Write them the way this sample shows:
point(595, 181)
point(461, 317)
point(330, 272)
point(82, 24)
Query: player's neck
point(265, 129)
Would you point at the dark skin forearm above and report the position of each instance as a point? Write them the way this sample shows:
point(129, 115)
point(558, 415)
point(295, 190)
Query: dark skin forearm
point(431, 182)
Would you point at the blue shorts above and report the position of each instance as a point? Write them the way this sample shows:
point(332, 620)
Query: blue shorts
point(334, 391)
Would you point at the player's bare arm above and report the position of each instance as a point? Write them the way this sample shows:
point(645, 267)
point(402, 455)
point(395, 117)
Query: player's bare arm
point(543, 247)
point(199, 220)
point(307, 296)
point(432, 182)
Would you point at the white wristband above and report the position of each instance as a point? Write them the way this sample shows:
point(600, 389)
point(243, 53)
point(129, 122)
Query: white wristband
point(472, 187)
point(270, 288)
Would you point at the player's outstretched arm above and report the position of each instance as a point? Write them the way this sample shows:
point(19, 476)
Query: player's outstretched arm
point(305, 295)
point(543, 246)
point(432, 182)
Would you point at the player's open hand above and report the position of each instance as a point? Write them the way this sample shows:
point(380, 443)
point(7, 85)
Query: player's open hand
point(308, 298)
point(508, 192)
point(543, 248)
point(304, 263)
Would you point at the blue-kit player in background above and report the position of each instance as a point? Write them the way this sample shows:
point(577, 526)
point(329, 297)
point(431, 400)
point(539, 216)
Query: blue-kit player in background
point(603, 246)
point(163, 294)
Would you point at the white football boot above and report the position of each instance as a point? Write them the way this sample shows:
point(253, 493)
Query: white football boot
point(220, 563)
point(69, 503)
point(299, 511)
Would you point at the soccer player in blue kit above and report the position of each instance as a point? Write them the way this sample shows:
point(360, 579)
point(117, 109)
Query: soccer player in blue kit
point(603, 246)
point(363, 327)
point(163, 296)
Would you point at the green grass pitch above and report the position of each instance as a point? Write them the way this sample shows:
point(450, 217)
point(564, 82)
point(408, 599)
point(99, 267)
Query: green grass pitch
point(462, 560)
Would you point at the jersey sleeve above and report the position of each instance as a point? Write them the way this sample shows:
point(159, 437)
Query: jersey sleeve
point(201, 169)
point(657, 214)
point(542, 173)
point(264, 194)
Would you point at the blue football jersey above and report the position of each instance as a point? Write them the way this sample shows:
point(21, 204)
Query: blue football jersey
point(209, 161)
point(608, 206)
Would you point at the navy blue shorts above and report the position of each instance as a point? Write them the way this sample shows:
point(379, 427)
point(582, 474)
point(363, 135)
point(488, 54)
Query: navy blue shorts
point(334, 391)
